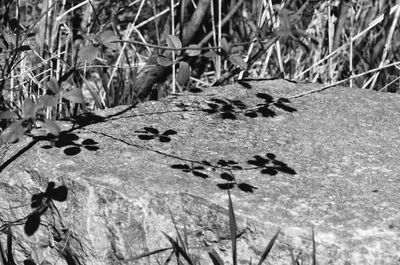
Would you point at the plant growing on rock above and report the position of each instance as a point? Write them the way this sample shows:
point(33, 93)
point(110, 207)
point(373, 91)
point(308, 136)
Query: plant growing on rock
point(32, 112)
point(180, 247)
point(183, 75)
point(30, 117)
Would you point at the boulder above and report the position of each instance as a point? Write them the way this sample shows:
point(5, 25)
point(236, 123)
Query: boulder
point(324, 163)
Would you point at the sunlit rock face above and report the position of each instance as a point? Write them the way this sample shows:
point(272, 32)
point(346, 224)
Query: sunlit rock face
point(326, 160)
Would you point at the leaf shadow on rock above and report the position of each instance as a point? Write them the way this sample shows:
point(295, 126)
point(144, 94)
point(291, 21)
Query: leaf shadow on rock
point(41, 202)
point(80, 121)
point(230, 109)
point(267, 165)
point(264, 109)
point(226, 108)
point(70, 142)
point(150, 133)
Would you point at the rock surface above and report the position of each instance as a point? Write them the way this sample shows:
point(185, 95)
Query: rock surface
point(327, 160)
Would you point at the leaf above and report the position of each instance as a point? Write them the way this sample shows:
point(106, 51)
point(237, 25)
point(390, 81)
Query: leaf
point(164, 139)
point(108, 36)
point(21, 49)
point(200, 174)
point(174, 42)
point(12, 133)
point(48, 101)
point(151, 130)
point(225, 46)
point(91, 147)
point(193, 52)
point(71, 151)
point(32, 224)
point(268, 248)
point(181, 166)
point(88, 53)
point(59, 194)
point(284, 19)
point(73, 93)
point(9, 37)
point(237, 50)
point(8, 115)
point(29, 110)
point(183, 75)
point(246, 187)
point(94, 93)
point(164, 61)
point(89, 142)
point(52, 85)
point(51, 126)
point(169, 132)
point(29, 262)
point(227, 176)
point(145, 137)
point(210, 54)
point(238, 61)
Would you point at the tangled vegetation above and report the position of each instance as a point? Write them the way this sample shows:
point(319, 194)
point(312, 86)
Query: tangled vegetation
point(103, 53)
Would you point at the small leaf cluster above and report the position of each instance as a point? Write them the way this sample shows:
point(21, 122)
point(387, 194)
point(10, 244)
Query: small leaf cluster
point(234, 54)
point(31, 113)
point(30, 116)
point(106, 39)
point(183, 75)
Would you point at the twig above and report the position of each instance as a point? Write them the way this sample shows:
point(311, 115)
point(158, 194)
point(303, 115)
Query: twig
point(342, 81)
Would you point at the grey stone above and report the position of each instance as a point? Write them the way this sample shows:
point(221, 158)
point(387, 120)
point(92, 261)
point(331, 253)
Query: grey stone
point(327, 160)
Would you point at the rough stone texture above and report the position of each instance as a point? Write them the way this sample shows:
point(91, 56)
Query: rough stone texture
point(328, 160)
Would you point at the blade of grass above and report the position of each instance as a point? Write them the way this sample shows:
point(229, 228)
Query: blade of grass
point(215, 42)
point(173, 52)
point(292, 256)
point(233, 229)
point(146, 254)
point(219, 34)
point(177, 232)
point(3, 256)
point(268, 248)
point(330, 42)
point(314, 254)
point(10, 257)
point(216, 259)
point(178, 249)
point(351, 47)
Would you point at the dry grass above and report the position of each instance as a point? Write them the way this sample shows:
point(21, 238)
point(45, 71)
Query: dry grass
point(57, 30)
